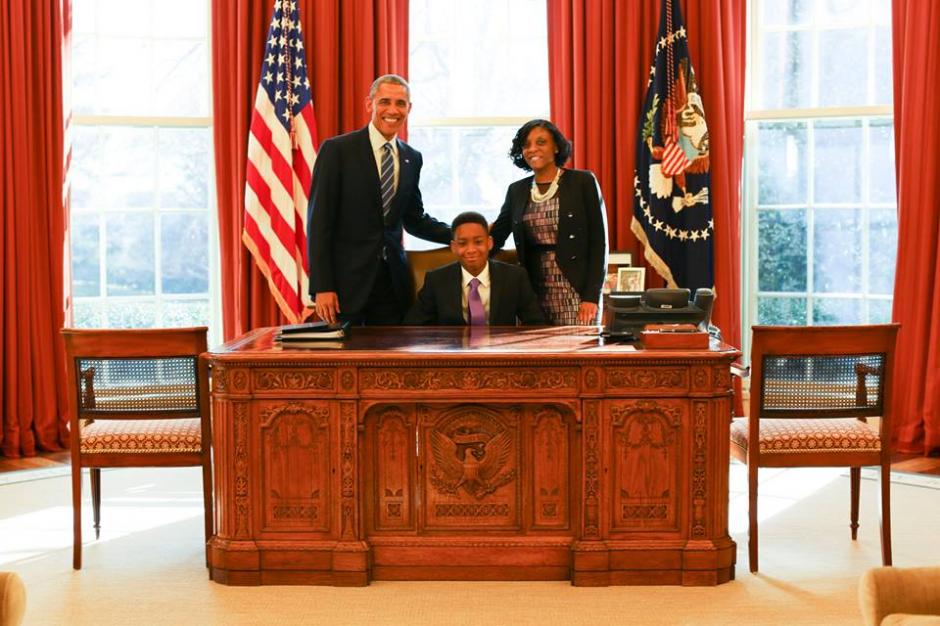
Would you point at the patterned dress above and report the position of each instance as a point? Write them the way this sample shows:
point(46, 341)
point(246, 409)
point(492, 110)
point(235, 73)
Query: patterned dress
point(558, 299)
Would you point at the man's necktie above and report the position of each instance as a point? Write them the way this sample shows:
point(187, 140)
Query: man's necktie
point(475, 304)
point(387, 178)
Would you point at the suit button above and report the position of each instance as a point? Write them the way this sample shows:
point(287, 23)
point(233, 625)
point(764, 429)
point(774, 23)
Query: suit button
point(573, 257)
point(571, 215)
point(570, 236)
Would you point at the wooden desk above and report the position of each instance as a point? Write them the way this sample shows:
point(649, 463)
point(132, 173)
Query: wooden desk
point(451, 453)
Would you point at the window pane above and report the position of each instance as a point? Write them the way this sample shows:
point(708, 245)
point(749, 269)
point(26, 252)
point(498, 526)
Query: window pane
point(436, 147)
point(837, 167)
point(881, 166)
point(86, 263)
point(781, 245)
point(178, 313)
point(89, 314)
point(883, 238)
point(782, 311)
point(184, 240)
point(842, 12)
point(123, 313)
point(829, 311)
point(119, 17)
point(884, 87)
point(843, 67)
point(168, 19)
point(879, 311)
point(184, 167)
point(484, 188)
point(785, 12)
point(84, 73)
point(837, 251)
point(786, 69)
point(782, 168)
point(180, 86)
point(124, 77)
point(129, 260)
point(113, 167)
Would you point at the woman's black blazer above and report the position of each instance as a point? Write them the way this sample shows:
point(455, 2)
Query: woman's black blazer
point(581, 247)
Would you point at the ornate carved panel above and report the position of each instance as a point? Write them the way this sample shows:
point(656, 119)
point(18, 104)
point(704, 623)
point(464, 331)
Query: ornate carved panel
point(471, 466)
point(393, 468)
point(238, 381)
point(293, 379)
point(550, 467)
point(646, 447)
point(295, 457)
point(242, 495)
point(647, 379)
point(699, 473)
point(591, 435)
point(417, 379)
point(700, 378)
point(722, 378)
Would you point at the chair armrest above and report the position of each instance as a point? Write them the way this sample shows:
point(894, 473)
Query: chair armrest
point(883, 591)
point(12, 599)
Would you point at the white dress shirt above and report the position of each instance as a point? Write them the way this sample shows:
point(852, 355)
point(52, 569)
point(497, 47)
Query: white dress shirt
point(483, 289)
point(378, 140)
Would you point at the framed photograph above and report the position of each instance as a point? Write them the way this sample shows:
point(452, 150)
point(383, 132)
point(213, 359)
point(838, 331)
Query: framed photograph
point(615, 260)
point(631, 278)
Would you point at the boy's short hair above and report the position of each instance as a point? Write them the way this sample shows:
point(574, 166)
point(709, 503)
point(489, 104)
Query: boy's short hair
point(469, 217)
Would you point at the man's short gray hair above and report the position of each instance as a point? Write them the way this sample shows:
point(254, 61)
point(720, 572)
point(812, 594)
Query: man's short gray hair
point(394, 79)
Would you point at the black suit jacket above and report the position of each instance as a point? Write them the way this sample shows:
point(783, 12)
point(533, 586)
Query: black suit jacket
point(511, 297)
point(346, 233)
point(581, 247)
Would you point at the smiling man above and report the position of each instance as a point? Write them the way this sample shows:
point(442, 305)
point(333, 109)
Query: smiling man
point(364, 191)
point(476, 290)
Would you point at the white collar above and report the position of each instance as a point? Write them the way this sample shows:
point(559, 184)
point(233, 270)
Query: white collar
point(378, 140)
point(483, 277)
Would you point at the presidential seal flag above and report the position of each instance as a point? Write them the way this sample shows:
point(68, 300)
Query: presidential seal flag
point(672, 215)
point(281, 153)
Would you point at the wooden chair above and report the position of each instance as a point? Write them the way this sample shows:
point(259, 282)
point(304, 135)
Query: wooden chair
point(812, 389)
point(137, 398)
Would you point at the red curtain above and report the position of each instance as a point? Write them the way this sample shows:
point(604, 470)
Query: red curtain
point(32, 366)
point(599, 59)
point(916, 27)
point(349, 43)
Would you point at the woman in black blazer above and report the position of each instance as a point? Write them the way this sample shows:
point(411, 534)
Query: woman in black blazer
point(558, 221)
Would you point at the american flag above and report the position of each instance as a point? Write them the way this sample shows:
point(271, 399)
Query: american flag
point(281, 154)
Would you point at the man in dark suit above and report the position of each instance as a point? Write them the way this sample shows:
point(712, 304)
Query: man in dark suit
point(476, 290)
point(365, 189)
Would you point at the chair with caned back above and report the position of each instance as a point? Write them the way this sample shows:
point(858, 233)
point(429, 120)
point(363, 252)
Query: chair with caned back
point(812, 391)
point(137, 398)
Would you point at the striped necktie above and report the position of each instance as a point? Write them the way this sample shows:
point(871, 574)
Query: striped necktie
point(387, 178)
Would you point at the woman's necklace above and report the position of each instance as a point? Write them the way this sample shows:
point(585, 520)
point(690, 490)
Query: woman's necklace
point(537, 196)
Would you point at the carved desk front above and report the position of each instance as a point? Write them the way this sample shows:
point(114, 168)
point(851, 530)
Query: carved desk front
point(451, 453)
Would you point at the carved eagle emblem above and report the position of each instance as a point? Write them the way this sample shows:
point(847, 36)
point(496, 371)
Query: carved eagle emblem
point(471, 460)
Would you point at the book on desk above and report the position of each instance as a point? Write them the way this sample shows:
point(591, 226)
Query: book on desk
point(312, 332)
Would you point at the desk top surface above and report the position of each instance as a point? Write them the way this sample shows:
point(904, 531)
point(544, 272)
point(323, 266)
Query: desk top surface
point(422, 342)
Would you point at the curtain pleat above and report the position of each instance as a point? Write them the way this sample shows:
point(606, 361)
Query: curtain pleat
point(32, 231)
point(915, 29)
point(349, 43)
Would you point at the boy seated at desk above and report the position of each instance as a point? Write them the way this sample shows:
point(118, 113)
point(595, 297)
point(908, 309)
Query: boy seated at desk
point(476, 290)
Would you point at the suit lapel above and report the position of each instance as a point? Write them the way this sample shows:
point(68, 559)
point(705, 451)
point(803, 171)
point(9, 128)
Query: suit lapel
point(367, 163)
point(453, 293)
point(497, 297)
point(520, 198)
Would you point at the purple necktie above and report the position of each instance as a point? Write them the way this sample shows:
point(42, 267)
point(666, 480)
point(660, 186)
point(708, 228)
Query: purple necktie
point(475, 304)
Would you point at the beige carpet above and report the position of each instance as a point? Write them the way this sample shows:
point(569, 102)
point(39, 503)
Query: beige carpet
point(148, 568)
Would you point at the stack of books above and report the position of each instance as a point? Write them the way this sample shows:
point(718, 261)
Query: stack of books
point(313, 335)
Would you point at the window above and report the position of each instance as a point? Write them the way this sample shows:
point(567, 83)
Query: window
point(143, 232)
point(821, 214)
point(478, 71)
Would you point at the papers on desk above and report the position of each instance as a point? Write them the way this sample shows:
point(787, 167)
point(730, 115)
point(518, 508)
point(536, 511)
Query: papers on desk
point(312, 333)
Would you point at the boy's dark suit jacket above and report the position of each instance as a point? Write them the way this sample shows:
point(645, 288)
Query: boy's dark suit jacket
point(511, 297)
point(347, 236)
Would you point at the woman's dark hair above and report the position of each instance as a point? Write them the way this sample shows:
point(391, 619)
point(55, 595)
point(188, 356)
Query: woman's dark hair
point(518, 142)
